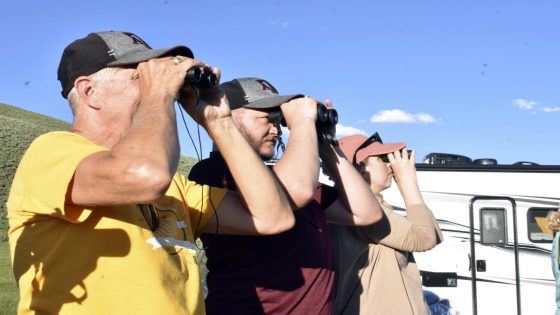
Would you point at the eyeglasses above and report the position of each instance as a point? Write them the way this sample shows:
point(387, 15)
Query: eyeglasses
point(373, 138)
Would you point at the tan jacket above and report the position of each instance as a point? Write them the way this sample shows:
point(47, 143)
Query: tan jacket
point(375, 270)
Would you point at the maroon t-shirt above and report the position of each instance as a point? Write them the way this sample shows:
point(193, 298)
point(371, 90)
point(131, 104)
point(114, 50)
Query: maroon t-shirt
point(287, 273)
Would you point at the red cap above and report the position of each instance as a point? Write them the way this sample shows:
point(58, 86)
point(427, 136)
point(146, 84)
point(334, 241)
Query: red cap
point(349, 145)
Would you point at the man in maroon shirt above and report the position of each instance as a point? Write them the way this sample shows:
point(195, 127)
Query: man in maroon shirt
point(292, 272)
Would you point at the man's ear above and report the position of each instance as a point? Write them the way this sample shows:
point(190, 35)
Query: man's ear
point(86, 91)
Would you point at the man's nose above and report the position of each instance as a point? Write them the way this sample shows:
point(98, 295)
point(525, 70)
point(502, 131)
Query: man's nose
point(274, 129)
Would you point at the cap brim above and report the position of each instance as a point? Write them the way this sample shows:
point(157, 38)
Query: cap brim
point(145, 55)
point(271, 102)
point(377, 148)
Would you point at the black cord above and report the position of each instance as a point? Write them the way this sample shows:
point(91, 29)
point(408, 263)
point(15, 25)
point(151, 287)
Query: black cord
point(198, 155)
point(215, 213)
point(199, 158)
point(279, 146)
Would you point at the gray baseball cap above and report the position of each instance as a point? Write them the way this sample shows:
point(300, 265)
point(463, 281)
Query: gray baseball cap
point(99, 50)
point(254, 93)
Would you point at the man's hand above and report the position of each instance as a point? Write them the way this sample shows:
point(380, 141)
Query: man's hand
point(205, 106)
point(163, 77)
point(299, 110)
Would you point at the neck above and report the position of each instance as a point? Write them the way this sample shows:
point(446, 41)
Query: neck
point(101, 132)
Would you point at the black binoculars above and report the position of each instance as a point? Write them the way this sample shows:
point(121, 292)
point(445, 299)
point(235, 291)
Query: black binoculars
point(203, 80)
point(385, 158)
point(325, 123)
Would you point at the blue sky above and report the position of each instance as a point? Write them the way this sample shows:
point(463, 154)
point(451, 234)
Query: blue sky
point(477, 78)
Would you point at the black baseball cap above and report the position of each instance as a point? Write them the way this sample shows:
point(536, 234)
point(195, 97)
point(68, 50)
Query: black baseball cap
point(107, 49)
point(254, 93)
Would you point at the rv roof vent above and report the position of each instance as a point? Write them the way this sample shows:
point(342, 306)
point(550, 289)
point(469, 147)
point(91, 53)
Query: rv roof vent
point(485, 161)
point(446, 158)
point(525, 163)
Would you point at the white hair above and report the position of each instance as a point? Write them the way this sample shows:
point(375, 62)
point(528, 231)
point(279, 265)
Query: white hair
point(99, 80)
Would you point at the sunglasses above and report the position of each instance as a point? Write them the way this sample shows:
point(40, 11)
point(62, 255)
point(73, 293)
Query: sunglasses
point(373, 138)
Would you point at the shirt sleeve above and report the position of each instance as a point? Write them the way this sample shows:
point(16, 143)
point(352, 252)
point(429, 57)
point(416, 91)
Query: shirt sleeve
point(416, 232)
point(201, 202)
point(45, 172)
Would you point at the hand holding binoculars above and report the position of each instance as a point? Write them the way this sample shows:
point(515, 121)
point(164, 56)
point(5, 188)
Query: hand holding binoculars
point(325, 123)
point(385, 158)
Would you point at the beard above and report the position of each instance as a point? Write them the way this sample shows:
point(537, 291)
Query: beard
point(264, 146)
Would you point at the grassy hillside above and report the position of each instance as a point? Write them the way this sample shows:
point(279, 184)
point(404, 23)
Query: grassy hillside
point(17, 129)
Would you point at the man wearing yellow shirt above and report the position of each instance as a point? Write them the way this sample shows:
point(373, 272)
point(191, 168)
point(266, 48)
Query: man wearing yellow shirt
point(100, 222)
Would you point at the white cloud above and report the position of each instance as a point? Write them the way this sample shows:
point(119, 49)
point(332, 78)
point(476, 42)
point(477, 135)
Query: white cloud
point(425, 118)
point(524, 104)
point(551, 109)
point(343, 131)
point(533, 106)
point(399, 116)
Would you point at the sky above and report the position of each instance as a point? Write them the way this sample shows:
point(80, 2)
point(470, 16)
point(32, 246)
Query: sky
point(475, 78)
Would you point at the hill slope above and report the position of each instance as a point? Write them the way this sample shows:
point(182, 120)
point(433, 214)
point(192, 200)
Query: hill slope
point(18, 128)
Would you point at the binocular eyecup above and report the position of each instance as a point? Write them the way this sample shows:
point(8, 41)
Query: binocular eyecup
point(203, 80)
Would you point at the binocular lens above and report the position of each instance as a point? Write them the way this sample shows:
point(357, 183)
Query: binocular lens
point(194, 75)
point(201, 79)
point(333, 117)
point(325, 115)
point(211, 79)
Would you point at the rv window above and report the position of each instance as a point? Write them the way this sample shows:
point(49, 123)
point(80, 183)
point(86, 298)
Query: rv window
point(537, 225)
point(493, 227)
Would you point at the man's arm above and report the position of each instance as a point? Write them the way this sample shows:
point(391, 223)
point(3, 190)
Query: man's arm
point(261, 207)
point(298, 169)
point(141, 165)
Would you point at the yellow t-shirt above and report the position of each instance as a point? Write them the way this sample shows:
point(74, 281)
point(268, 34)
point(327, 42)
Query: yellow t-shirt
point(71, 259)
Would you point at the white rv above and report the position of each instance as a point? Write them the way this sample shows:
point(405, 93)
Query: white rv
point(495, 259)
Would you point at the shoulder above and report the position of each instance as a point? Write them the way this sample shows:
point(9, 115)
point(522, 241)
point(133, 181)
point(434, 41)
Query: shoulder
point(207, 170)
point(200, 166)
point(61, 139)
point(59, 146)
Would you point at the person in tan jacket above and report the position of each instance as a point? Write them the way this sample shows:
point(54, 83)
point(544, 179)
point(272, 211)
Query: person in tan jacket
point(375, 269)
